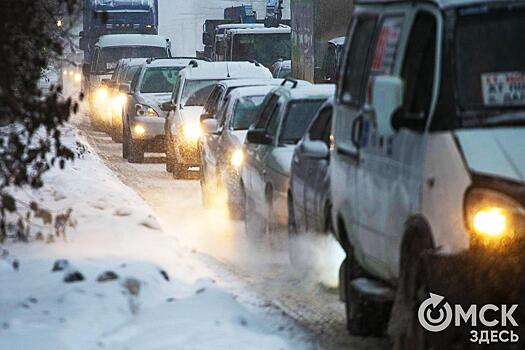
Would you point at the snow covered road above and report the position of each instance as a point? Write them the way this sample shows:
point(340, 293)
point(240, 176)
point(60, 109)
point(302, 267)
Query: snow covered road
point(245, 266)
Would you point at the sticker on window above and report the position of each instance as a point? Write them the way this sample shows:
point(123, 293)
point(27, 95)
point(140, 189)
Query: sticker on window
point(386, 47)
point(503, 89)
point(111, 65)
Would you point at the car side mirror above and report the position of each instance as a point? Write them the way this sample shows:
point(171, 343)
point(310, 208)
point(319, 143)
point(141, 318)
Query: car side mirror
point(387, 98)
point(86, 69)
point(205, 116)
point(314, 149)
point(210, 126)
point(167, 106)
point(258, 136)
point(124, 88)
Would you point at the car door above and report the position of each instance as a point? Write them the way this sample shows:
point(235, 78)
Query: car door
point(348, 112)
point(262, 153)
point(249, 167)
point(390, 173)
point(316, 172)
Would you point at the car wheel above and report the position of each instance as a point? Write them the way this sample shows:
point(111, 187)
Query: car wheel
point(136, 152)
point(180, 171)
point(405, 329)
point(125, 144)
point(169, 156)
point(117, 134)
point(205, 191)
point(294, 250)
point(253, 223)
point(270, 226)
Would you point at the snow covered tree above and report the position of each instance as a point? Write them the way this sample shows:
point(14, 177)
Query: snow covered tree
point(33, 35)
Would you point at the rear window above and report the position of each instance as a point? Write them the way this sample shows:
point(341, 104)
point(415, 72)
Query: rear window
point(491, 68)
point(297, 120)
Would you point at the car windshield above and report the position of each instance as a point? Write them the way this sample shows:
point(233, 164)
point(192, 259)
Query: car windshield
point(264, 48)
point(245, 111)
point(109, 56)
point(159, 80)
point(490, 70)
point(297, 120)
point(196, 92)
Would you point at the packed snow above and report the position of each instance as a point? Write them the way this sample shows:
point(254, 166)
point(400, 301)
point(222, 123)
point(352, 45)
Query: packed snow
point(117, 281)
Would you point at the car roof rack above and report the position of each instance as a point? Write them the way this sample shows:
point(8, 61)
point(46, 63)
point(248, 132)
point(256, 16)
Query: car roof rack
point(151, 59)
point(290, 80)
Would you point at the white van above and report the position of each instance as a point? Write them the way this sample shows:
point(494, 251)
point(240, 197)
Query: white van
point(429, 150)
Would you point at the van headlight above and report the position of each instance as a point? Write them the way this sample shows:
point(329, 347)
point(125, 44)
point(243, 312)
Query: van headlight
point(192, 131)
point(493, 216)
point(237, 158)
point(101, 94)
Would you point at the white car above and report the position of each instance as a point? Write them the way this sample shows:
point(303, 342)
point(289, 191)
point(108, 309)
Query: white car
point(182, 127)
point(428, 167)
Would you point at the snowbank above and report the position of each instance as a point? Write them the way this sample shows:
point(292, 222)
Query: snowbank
point(131, 286)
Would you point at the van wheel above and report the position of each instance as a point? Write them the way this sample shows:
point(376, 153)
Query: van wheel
point(136, 152)
point(356, 308)
point(253, 223)
point(404, 327)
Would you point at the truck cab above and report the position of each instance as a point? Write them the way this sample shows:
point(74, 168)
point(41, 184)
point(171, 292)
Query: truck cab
point(265, 45)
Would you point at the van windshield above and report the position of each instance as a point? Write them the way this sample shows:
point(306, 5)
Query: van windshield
point(109, 56)
point(196, 92)
point(159, 80)
point(246, 111)
point(490, 70)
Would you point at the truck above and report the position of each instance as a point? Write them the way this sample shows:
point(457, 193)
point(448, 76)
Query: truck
point(103, 17)
point(265, 45)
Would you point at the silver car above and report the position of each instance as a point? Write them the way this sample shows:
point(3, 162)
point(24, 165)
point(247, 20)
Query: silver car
point(143, 122)
point(222, 162)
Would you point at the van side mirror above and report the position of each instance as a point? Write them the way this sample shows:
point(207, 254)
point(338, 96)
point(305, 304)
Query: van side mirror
point(124, 88)
point(86, 69)
point(387, 98)
point(210, 126)
point(314, 149)
point(259, 137)
point(167, 106)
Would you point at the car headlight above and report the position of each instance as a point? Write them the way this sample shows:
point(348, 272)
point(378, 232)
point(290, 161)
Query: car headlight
point(192, 131)
point(118, 102)
point(77, 78)
point(237, 158)
point(491, 215)
point(145, 111)
point(102, 94)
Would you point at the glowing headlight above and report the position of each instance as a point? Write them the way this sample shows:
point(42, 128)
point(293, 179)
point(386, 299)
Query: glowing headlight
point(102, 94)
point(65, 72)
point(77, 78)
point(237, 158)
point(71, 73)
point(139, 130)
point(192, 131)
point(492, 215)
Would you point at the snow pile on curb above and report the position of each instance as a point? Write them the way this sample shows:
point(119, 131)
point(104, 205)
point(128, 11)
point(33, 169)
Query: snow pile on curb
point(119, 282)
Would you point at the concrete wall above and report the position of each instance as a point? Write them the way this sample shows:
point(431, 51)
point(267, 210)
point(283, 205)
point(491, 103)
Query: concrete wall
point(314, 22)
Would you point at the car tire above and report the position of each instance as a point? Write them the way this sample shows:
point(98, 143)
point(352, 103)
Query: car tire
point(294, 252)
point(205, 192)
point(136, 151)
point(253, 223)
point(404, 327)
point(180, 171)
point(125, 144)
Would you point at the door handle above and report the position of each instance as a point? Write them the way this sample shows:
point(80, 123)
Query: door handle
point(348, 153)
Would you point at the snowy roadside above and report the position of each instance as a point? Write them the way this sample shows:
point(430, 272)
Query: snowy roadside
point(136, 288)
